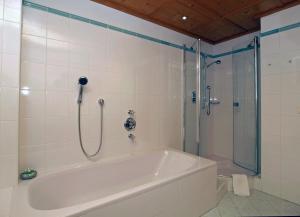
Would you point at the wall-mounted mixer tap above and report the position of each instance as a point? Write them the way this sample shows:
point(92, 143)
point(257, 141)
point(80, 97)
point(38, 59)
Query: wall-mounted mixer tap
point(130, 124)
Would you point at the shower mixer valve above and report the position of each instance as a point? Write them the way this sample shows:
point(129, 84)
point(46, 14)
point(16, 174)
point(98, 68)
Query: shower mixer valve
point(130, 124)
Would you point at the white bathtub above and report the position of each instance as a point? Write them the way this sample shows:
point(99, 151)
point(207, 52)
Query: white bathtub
point(164, 183)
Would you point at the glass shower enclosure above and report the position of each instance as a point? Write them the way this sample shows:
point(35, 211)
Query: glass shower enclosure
point(245, 106)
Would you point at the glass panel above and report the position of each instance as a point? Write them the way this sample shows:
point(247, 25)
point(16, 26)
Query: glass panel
point(190, 115)
point(244, 112)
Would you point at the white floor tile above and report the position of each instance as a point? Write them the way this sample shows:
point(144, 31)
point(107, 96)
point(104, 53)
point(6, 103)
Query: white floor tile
point(258, 204)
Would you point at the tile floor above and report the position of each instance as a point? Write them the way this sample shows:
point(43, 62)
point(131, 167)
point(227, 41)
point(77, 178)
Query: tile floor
point(226, 167)
point(258, 204)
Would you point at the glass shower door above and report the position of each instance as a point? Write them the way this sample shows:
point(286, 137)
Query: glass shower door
point(245, 112)
point(190, 109)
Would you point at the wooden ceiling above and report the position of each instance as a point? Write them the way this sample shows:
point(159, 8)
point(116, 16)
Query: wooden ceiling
point(211, 20)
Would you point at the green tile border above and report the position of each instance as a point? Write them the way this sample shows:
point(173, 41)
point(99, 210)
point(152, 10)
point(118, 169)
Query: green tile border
point(103, 25)
point(281, 29)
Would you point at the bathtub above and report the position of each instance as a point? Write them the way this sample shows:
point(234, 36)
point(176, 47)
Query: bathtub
point(164, 183)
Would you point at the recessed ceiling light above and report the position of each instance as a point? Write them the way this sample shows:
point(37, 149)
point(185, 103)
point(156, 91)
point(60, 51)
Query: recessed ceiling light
point(184, 17)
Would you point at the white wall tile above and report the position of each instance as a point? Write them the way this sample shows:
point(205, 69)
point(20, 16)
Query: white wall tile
point(1, 33)
point(8, 137)
point(33, 49)
point(58, 130)
point(5, 198)
point(57, 103)
point(33, 75)
point(1, 9)
point(12, 14)
point(289, 40)
point(32, 104)
point(57, 53)
point(34, 22)
point(78, 30)
point(290, 61)
point(9, 167)
point(57, 77)
point(32, 132)
point(11, 38)
point(9, 103)
point(33, 157)
point(57, 27)
point(290, 178)
point(10, 70)
point(79, 55)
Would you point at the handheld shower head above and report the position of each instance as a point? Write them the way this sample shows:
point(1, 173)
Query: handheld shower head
point(81, 81)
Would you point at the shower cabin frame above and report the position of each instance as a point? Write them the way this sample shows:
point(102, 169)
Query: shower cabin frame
point(198, 99)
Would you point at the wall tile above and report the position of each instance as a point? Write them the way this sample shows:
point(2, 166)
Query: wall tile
point(271, 104)
point(290, 155)
point(34, 22)
point(57, 103)
point(289, 40)
point(33, 157)
point(9, 104)
point(290, 104)
point(33, 49)
point(33, 75)
point(1, 32)
point(32, 132)
point(10, 70)
point(57, 78)
point(9, 167)
point(57, 27)
point(11, 38)
point(290, 61)
point(57, 53)
point(1, 9)
point(12, 14)
point(58, 130)
point(290, 82)
point(32, 104)
point(77, 32)
point(8, 137)
point(79, 56)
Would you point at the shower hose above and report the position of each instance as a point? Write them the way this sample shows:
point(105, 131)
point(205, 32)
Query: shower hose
point(101, 103)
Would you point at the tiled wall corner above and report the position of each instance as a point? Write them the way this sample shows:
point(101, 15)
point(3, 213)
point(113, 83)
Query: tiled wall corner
point(10, 30)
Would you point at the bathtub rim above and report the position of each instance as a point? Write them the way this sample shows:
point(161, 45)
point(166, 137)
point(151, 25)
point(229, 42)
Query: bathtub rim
point(20, 198)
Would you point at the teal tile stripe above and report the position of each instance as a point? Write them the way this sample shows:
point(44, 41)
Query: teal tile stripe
point(103, 25)
point(281, 29)
point(149, 38)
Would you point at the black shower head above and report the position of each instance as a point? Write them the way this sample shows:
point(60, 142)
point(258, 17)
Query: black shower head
point(82, 80)
point(215, 62)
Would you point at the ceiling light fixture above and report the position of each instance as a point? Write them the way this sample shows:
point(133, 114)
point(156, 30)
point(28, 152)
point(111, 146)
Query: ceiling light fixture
point(184, 17)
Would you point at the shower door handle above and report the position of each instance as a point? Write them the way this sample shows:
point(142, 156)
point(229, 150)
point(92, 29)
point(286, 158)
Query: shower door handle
point(236, 104)
point(208, 101)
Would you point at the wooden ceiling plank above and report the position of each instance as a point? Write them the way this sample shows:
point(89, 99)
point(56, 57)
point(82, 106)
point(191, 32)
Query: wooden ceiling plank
point(238, 19)
point(215, 14)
